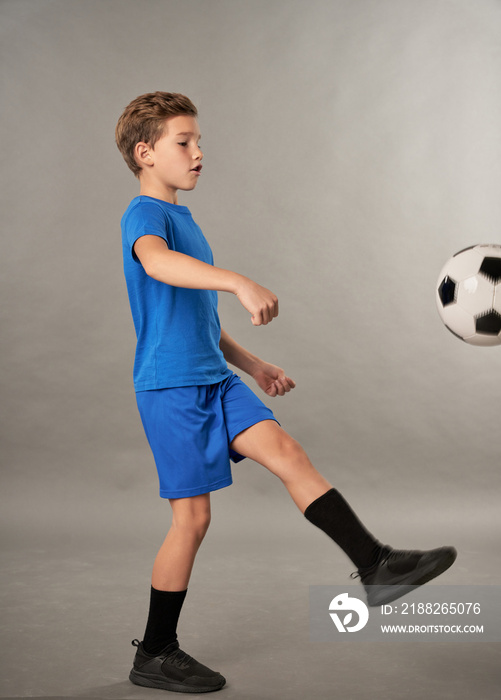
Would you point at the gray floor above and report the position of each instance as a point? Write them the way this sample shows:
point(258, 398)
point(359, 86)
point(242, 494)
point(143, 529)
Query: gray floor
point(73, 600)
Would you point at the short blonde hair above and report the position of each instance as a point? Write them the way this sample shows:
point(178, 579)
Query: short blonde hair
point(144, 120)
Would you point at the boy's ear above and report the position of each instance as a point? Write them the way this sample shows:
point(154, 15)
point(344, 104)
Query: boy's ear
point(142, 153)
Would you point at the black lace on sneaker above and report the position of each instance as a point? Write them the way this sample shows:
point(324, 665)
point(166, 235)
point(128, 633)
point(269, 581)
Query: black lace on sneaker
point(179, 658)
point(386, 553)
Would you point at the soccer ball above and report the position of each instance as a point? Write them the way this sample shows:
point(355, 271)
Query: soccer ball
point(469, 295)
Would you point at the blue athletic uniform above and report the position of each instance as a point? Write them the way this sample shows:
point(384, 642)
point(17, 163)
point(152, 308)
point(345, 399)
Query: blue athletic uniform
point(190, 402)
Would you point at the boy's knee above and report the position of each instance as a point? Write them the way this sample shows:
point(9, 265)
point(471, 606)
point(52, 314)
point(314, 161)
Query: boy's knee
point(291, 450)
point(201, 524)
point(193, 520)
point(289, 460)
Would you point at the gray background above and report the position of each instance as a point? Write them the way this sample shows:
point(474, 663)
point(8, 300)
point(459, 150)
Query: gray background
point(351, 147)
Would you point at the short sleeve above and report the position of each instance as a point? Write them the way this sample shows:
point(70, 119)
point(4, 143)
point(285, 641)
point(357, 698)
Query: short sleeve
point(146, 218)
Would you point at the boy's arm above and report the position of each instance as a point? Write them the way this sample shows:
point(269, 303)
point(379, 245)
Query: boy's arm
point(270, 378)
point(180, 270)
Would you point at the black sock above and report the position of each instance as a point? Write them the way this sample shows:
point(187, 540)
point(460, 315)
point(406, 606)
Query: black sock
point(332, 514)
point(165, 607)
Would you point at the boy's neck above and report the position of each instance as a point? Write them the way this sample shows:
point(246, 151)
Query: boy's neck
point(147, 190)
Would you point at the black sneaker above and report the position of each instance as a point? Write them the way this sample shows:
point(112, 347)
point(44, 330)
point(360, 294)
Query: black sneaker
point(173, 669)
point(400, 571)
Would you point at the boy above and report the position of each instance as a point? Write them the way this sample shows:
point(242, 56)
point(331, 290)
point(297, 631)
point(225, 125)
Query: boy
point(196, 413)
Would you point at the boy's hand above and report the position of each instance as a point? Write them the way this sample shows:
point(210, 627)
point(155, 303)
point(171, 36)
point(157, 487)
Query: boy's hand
point(259, 301)
point(272, 379)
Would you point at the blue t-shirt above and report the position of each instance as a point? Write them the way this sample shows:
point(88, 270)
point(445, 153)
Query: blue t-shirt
point(178, 329)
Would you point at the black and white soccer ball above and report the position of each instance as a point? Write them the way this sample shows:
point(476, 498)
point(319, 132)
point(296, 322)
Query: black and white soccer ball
point(469, 295)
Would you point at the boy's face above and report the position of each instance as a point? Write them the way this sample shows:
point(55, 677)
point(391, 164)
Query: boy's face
point(175, 162)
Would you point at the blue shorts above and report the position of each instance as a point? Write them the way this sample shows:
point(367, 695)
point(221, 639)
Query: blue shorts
point(190, 429)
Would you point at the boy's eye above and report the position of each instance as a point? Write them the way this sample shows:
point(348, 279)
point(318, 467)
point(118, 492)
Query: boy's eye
point(183, 143)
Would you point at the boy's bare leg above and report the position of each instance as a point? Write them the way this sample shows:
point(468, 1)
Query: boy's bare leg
point(159, 662)
point(268, 444)
point(174, 561)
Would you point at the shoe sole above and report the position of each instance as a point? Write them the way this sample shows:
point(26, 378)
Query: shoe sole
point(164, 684)
point(380, 595)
